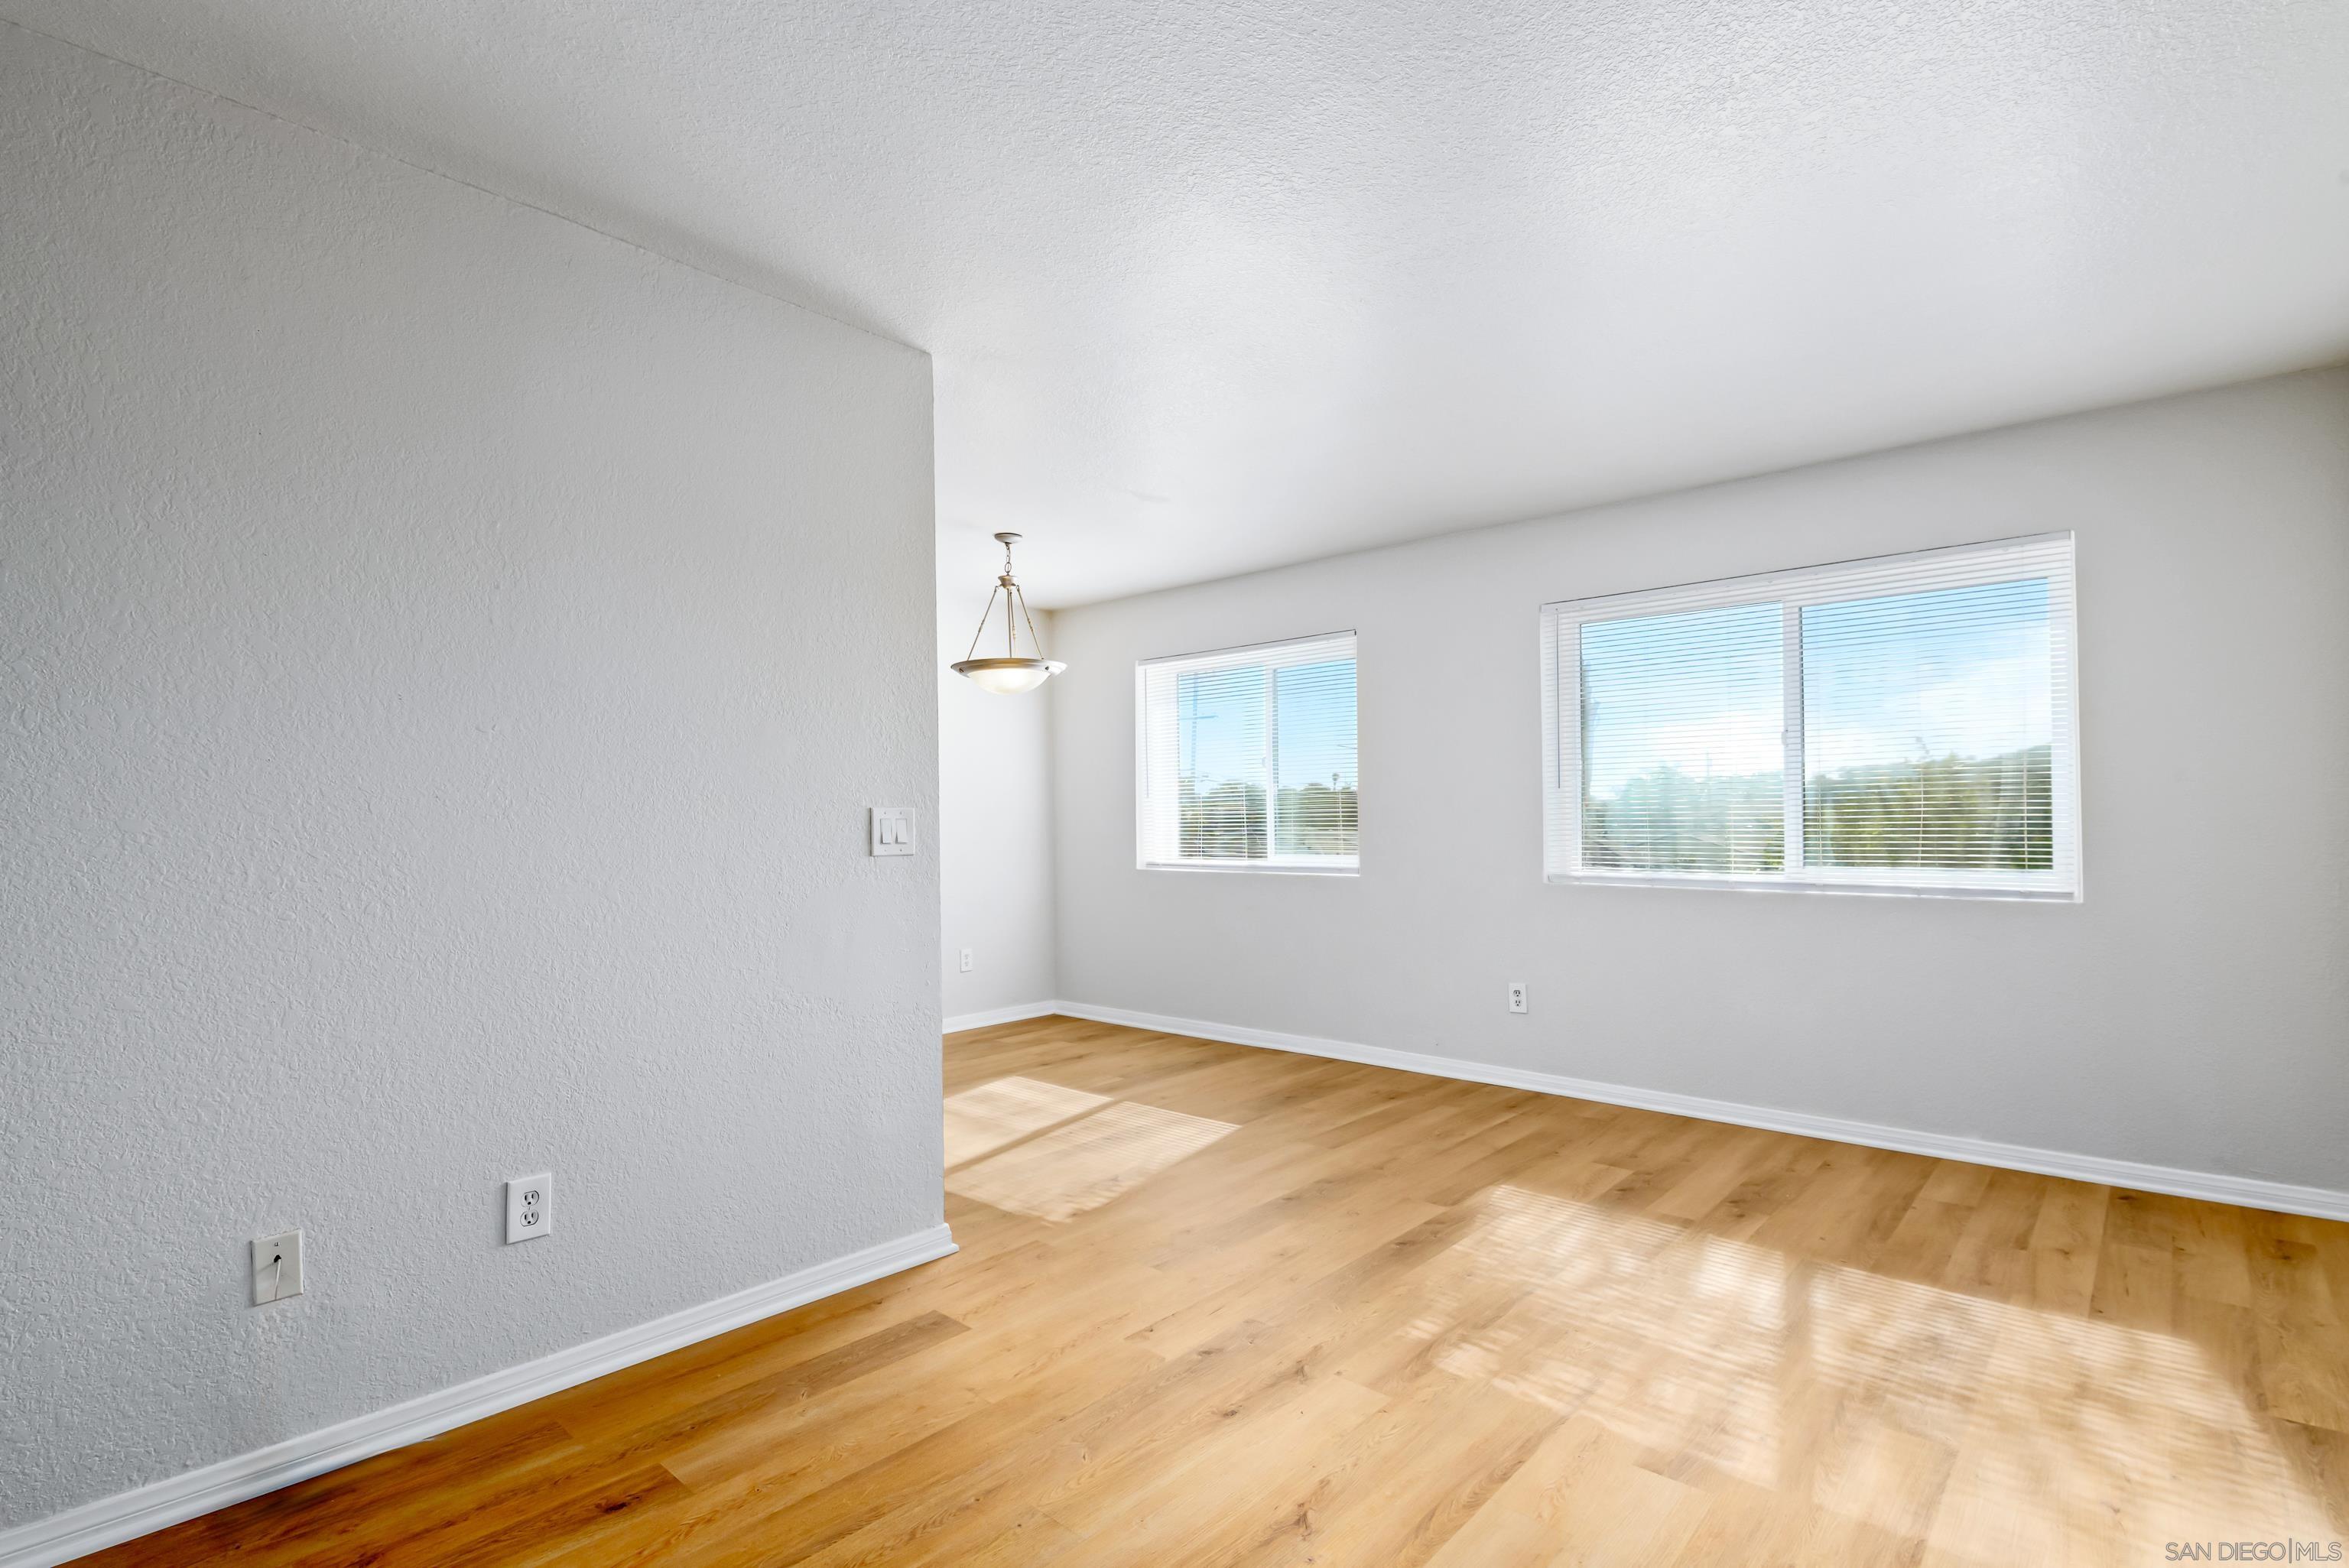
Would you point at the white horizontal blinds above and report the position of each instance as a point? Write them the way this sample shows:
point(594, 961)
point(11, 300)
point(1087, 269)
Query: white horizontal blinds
point(1929, 735)
point(1316, 809)
point(1914, 716)
point(1248, 756)
point(1681, 752)
point(1940, 717)
point(1219, 749)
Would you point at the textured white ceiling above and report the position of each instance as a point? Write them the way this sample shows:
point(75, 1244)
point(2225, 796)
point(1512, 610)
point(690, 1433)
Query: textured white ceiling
point(1219, 285)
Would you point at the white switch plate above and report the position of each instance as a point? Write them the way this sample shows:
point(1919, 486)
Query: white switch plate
point(966, 960)
point(892, 829)
point(1517, 996)
point(530, 1207)
point(276, 1268)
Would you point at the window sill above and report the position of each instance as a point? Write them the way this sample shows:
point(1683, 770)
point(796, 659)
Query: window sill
point(1839, 889)
point(1255, 868)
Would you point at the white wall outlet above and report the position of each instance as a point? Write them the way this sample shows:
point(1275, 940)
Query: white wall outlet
point(966, 960)
point(1517, 996)
point(892, 829)
point(276, 1268)
point(530, 1207)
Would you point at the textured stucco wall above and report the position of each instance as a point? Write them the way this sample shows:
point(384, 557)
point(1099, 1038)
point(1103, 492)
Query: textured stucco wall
point(2192, 1011)
point(414, 777)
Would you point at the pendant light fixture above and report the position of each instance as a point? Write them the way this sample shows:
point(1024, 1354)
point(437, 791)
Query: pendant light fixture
point(1012, 671)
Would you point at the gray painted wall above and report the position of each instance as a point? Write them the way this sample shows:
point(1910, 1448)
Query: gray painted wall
point(413, 779)
point(995, 806)
point(2193, 1011)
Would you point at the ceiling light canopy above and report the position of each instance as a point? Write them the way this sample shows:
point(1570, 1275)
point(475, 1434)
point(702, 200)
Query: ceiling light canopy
point(1012, 671)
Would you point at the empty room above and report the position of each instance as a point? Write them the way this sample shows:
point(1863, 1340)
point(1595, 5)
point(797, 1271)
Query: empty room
point(1163, 784)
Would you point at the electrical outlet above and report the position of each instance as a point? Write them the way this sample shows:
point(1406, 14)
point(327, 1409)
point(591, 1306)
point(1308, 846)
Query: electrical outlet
point(530, 1207)
point(276, 1268)
point(966, 960)
point(1517, 996)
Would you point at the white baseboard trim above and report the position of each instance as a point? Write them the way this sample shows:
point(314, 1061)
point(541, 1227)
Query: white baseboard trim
point(2250, 1193)
point(93, 1526)
point(1012, 1015)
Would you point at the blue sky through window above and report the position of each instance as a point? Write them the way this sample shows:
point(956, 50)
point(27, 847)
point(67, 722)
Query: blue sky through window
point(1955, 672)
point(1316, 713)
point(1701, 692)
point(1964, 672)
point(1219, 725)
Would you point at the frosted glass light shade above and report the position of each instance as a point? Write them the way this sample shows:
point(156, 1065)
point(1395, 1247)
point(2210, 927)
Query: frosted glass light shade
point(1008, 677)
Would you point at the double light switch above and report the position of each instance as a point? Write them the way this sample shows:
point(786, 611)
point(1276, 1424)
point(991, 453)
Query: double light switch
point(892, 829)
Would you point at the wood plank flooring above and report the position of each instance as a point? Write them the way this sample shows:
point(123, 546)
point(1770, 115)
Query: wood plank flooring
point(1229, 1306)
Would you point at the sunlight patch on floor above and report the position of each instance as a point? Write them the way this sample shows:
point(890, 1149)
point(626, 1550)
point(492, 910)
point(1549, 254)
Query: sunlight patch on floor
point(2012, 1434)
point(1087, 1162)
point(983, 1119)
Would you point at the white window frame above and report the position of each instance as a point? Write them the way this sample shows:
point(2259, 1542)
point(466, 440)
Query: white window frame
point(2051, 555)
point(1285, 654)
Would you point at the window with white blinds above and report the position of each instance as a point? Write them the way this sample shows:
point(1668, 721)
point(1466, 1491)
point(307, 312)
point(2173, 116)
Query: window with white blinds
point(1246, 758)
point(1905, 724)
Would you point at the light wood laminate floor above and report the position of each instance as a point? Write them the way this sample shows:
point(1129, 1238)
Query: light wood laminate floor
point(1224, 1305)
